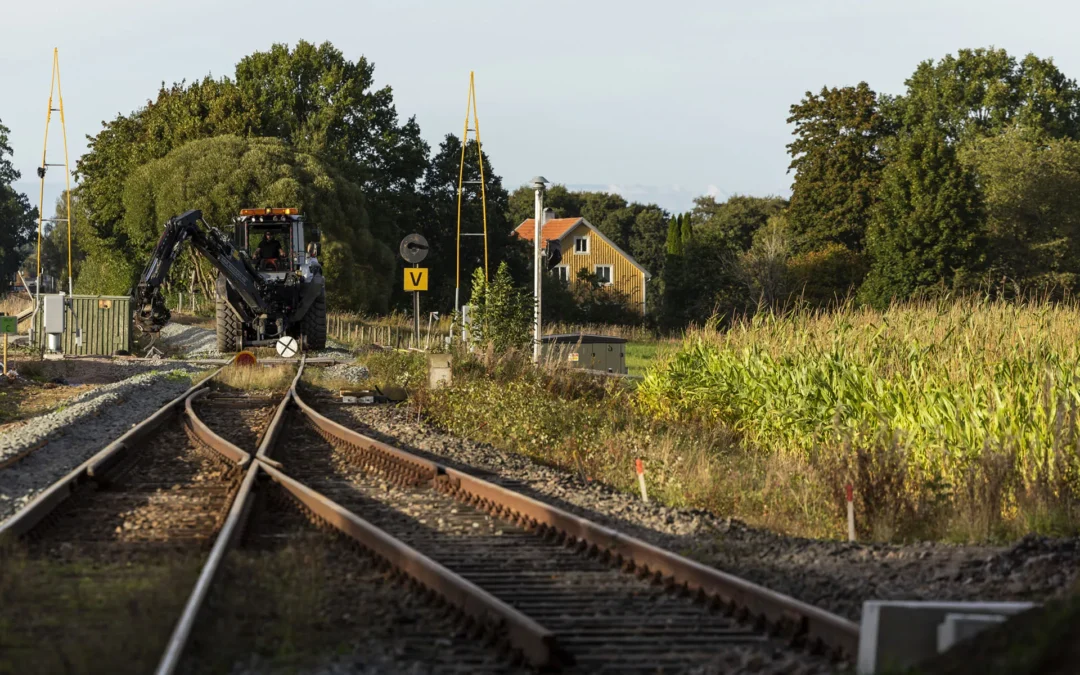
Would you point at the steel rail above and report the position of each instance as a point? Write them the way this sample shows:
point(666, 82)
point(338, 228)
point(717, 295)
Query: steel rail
point(799, 618)
point(204, 434)
point(347, 435)
point(238, 513)
point(801, 621)
point(94, 468)
point(536, 643)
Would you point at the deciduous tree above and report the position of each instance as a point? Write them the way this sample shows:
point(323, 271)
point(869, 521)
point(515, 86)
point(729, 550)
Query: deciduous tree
point(17, 218)
point(926, 230)
point(837, 160)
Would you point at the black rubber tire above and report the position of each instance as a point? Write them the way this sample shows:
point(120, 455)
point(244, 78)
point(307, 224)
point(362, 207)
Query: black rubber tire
point(230, 332)
point(315, 323)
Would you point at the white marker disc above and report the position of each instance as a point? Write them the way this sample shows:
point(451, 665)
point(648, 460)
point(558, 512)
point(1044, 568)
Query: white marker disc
point(287, 347)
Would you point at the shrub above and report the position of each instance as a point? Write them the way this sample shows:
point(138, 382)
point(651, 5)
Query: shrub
point(501, 312)
point(826, 276)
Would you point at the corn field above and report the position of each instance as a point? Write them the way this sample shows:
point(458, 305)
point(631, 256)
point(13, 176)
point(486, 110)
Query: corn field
point(945, 385)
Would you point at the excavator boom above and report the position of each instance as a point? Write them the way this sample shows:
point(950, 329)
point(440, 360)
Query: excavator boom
point(151, 314)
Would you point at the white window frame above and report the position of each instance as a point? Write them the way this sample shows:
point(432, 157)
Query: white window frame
point(610, 275)
point(562, 272)
point(587, 247)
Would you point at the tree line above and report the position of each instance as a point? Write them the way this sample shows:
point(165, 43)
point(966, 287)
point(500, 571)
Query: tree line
point(966, 180)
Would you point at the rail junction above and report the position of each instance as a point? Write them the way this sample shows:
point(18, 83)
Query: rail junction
point(495, 580)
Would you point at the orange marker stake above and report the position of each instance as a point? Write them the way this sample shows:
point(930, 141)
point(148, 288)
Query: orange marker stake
point(640, 466)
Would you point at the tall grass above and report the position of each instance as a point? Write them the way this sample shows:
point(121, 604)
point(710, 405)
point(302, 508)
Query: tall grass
point(937, 408)
point(15, 302)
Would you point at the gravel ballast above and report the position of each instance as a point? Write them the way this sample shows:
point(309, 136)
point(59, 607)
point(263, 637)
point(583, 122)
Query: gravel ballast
point(837, 576)
point(68, 436)
point(193, 342)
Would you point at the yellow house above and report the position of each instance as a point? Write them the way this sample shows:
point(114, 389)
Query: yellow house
point(586, 248)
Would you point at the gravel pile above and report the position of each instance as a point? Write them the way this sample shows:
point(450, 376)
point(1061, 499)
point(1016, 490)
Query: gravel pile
point(348, 372)
point(68, 436)
point(192, 342)
point(834, 575)
point(189, 341)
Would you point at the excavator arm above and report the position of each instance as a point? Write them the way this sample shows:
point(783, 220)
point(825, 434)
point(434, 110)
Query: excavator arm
point(151, 314)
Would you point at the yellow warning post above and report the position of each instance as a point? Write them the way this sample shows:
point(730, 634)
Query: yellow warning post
point(8, 325)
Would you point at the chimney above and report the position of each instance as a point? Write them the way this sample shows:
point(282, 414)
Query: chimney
point(549, 214)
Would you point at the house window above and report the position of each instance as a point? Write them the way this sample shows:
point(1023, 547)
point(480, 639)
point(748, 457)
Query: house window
point(562, 272)
point(581, 245)
point(603, 273)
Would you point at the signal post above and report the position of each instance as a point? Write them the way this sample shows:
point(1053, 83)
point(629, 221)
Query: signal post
point(414, 249)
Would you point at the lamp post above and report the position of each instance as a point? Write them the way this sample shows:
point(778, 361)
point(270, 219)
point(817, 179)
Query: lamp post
point(538, 184)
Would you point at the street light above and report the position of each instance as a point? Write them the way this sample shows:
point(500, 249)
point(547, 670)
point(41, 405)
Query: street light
point(538, 184)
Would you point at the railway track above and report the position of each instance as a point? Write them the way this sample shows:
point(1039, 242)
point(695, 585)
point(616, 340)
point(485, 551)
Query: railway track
point(112, 548)
point(414, 562)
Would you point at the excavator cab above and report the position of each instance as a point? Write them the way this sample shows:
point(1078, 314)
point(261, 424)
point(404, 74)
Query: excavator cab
point(272, 239)
point(270, 247)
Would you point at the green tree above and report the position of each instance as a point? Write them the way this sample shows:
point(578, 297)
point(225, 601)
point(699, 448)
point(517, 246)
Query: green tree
point(220, 176)
point(1031, 192)
point(310, 97)
point(674, 238)
point(926, 230)
point(500, 312)
point(737, 219)
point(17, 218)
point(325, 105)
point(686, 230)
point(763, 269)
point(521, 205)
point(826, 276)
point(648, 236)
point(702, 282)
point(982, 92)
point(837, 160)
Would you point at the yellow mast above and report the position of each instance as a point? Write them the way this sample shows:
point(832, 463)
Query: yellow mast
point(470, 107)
point(54, 86)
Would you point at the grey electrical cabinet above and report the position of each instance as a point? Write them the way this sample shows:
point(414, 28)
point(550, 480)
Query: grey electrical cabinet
point(581, 350)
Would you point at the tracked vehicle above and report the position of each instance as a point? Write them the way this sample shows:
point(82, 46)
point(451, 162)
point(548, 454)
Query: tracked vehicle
point(260, 297)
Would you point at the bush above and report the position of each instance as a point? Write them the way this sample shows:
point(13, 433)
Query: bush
point(501, 313)
point(826, 276)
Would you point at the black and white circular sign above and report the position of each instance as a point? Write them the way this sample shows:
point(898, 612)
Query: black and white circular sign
point(414, 248)
point(287, 347)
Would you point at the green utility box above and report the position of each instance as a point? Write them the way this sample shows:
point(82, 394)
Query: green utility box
point(593, 352)
point(104, 321)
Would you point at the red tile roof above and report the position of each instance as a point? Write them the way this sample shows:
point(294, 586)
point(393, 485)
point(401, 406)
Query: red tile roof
point(553, 229)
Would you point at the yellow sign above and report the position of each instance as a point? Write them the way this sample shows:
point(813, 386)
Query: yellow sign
point(416, 278)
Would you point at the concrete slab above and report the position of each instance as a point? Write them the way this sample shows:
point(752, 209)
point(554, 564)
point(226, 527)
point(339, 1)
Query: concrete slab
point(958, 627)
point(899, 634)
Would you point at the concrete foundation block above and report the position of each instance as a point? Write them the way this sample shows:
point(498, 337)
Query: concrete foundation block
point(899, 634)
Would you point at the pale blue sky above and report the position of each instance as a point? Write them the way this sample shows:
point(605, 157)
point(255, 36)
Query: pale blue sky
point(661, 101)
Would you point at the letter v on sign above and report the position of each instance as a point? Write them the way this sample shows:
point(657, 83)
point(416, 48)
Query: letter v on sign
point(416, 278)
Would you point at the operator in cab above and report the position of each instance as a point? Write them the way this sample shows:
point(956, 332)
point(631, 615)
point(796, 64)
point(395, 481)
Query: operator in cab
point(269, 248)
